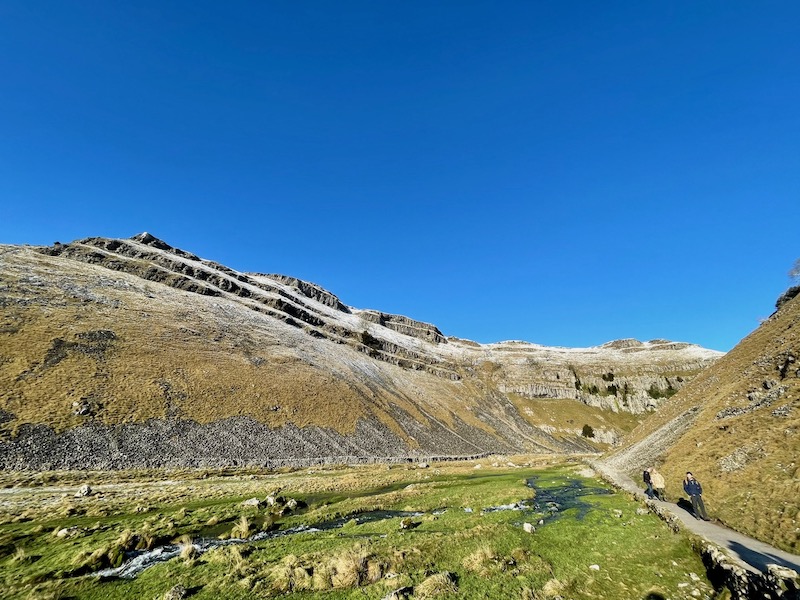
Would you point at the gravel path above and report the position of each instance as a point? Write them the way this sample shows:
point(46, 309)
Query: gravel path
point(745, 551)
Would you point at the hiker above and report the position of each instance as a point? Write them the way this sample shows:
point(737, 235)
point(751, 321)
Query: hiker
point(695, 491)
point(657, 479)
point(648, 480)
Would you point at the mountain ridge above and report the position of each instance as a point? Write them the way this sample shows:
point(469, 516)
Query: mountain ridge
point(103, 336)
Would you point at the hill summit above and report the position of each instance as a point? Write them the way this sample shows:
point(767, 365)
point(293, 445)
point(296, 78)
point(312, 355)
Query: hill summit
point(119, 353)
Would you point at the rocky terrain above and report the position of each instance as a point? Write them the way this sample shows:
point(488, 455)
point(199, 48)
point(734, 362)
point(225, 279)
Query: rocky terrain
point(125, 353)
point(736, 426)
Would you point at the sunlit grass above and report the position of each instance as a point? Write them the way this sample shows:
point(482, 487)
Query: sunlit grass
point(458, 548)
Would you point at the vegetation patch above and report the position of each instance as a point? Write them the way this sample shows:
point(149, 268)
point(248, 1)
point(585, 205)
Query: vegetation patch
point(467, 536)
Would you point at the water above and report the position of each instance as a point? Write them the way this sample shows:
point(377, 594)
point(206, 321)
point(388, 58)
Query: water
point(553, 501)
point(144, 559)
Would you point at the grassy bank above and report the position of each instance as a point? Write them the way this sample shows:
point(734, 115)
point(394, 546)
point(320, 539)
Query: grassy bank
point(588, 541)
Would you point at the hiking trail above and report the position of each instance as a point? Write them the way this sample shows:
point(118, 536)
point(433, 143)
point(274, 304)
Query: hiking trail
point(745, 551)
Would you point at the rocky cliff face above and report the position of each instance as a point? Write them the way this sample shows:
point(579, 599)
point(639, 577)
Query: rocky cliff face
point(111, 346)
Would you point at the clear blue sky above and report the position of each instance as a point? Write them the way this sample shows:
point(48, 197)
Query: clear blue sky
point(564, 173)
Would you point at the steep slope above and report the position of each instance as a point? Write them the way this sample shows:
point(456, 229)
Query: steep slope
point(736, 426)
point(118, 353)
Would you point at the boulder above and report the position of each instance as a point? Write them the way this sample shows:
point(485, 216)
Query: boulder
point(402, 593)
point(407, 523)
point(177, 592)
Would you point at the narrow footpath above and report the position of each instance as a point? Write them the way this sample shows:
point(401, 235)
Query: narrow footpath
point(749, 553)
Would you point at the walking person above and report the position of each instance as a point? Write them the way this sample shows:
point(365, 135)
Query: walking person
point(695, 492)
point(649, 482)
point(659, 484)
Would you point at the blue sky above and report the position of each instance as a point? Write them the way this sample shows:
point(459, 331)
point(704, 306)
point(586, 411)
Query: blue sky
point(564, 173)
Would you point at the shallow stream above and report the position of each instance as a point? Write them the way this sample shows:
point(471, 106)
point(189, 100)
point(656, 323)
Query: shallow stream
point(549, 503)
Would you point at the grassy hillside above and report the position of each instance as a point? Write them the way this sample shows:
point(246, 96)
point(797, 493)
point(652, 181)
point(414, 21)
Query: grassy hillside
point(737, 428)
point(102, 333)
point(83, 345)
point(133, 351)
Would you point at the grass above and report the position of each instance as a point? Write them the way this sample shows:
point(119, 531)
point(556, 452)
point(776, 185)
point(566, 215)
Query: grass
point(568, 417)
point(450, 553)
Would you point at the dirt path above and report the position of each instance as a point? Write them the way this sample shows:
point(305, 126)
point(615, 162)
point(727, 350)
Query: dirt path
point(745, 551)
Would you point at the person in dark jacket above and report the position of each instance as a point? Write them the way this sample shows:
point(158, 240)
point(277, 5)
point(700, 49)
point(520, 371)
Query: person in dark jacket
point(649, 482)
point(694, 490)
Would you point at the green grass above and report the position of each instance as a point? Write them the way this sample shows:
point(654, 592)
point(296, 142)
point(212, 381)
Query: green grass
point(479, 555)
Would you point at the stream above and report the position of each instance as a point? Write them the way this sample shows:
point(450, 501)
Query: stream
point(548, 504)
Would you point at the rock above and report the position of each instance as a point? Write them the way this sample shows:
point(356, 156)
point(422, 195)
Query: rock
point(255, 502)
point(529, 528)
point(292, 504)
point(82, 409)
point(478, 467)
point(68, 532)
point(83, 491)
point(423, 465)
point(618, 513)
point(594, 567)
point(407, 524)
point(270, 500)
point(784, 579)
point(642, 511)
point(402, 593)
point(177, 592)
point(694, 577)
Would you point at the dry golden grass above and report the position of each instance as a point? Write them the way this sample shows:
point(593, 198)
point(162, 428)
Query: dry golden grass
point(348, 568)
point(243, 528)
point(188, 550)
point(481, 560)
point(570, 416)
point(438, 584)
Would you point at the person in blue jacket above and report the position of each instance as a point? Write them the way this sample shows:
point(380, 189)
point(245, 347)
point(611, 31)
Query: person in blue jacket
point(695, 492)
point(648, 482)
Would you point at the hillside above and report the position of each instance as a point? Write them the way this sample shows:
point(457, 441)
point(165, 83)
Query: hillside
point(737, 428)
point(120, 353)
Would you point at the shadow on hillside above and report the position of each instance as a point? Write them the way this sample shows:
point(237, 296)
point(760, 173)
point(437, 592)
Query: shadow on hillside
point(761, 560)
